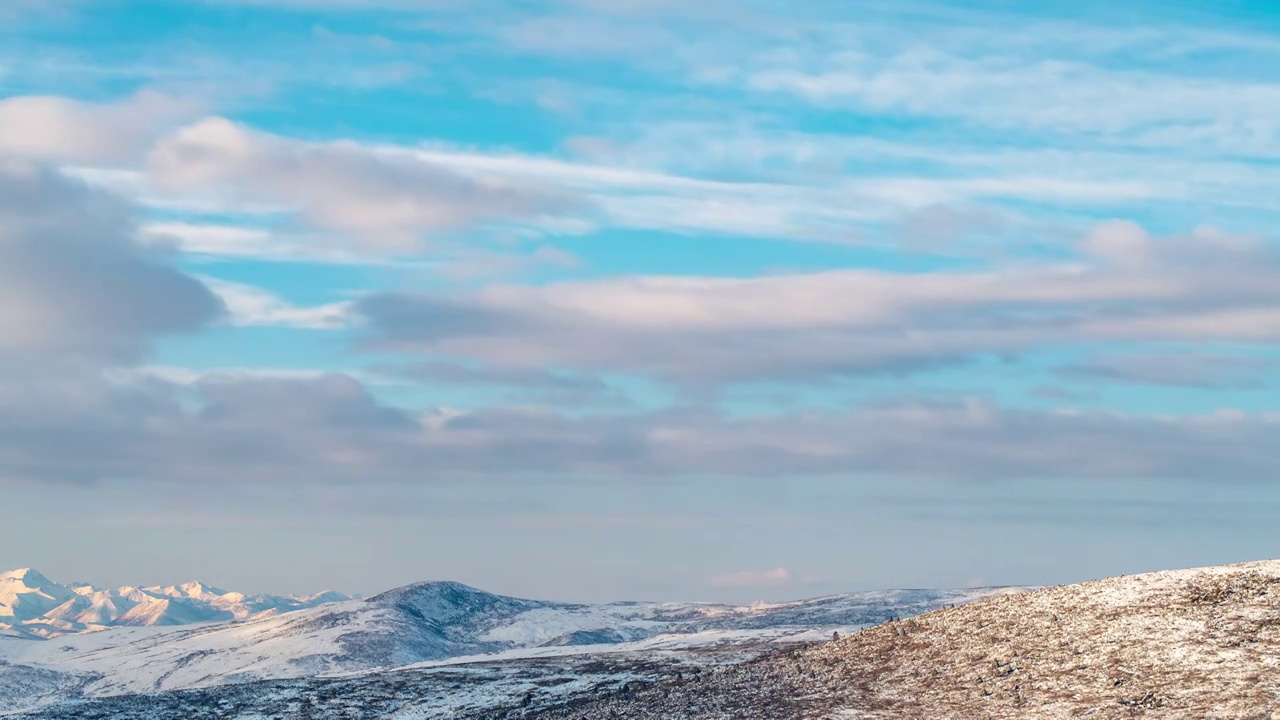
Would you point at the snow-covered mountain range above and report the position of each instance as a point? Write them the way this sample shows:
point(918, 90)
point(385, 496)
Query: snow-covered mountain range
point(33, 606)
point(414, 627)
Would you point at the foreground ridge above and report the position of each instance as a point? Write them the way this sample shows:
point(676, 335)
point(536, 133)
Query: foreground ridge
point(1201, 643)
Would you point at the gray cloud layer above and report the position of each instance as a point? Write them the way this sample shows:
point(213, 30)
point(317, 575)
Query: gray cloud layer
point(532, 385)
point(72, 279)
point(1186, 369)
point(330, 429)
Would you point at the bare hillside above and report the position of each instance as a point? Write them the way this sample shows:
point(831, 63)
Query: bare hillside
point(1199, 644)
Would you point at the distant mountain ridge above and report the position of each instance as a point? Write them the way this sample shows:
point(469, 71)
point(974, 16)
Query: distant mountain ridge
point(33, 606)
point(419, 625)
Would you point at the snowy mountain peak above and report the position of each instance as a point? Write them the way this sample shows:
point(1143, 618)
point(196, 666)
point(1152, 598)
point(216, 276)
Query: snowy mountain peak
point(196, 590)
point(324, 596)
point(447, 602)
point(429, 587)
point(26, 594)
point(27, 576)
point(33, 606)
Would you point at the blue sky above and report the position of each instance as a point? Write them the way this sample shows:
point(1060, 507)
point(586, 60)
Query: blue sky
point(320, 292)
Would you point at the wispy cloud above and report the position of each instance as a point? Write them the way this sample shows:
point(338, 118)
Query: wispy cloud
point(1004, 93)
point(248, 305)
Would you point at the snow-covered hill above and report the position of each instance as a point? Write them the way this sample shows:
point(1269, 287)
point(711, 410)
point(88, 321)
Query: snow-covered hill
point(1185, 644)
point(33, 606)
point(419, 625)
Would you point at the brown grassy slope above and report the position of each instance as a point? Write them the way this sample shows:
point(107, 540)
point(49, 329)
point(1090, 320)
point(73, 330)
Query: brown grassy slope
point(1179, 644)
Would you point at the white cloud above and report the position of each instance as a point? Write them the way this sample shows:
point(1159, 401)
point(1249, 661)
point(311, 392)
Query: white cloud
point(1205, 286)
point(249, 305)
point(63, 130)
point(379, 201)
point(216, 240)
point(211, 241)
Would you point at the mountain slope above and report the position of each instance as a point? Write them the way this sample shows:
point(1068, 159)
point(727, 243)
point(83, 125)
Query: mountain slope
point(33, 606)
point(1201, 643)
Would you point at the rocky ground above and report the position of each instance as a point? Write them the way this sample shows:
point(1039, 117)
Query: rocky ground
point(1181, 644)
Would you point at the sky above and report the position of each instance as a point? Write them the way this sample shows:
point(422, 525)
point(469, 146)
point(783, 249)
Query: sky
point(637, 299)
